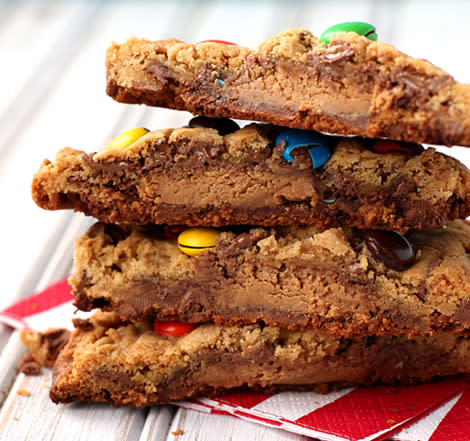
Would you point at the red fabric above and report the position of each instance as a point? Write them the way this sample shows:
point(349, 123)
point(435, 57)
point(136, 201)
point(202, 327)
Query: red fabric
point(370, 410)
point(245, 400)
point(257, 418)
point(54, 295)
point(456, 424)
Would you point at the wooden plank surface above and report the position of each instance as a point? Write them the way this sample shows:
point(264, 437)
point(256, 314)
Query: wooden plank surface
point(52, 95)
point(187, 425)
point(28, 414)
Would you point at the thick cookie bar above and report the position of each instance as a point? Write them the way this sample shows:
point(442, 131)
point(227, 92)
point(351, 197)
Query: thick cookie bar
point(130, 364)
point(350, 86)
point(339, 281)
point(194, 176)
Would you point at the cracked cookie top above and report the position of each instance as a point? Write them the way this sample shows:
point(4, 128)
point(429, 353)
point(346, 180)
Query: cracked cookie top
point(349, 86)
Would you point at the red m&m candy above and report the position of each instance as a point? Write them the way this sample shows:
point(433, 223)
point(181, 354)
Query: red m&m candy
point(217, 41)
point(175, 329)
point(173, 231)
point(387, 146)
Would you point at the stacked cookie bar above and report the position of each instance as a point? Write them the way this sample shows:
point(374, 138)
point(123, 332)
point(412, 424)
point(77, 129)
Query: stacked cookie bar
point(271, 256)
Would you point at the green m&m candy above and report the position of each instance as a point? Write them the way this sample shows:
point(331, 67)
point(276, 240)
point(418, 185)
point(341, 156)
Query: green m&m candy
point(359, 27)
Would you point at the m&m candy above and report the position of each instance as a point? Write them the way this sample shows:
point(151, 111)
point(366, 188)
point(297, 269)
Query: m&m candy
point(387, 146)
point(127, 138)
point(319, 150)
point(195, 241)
point(359, 27)
point(173, 231)
point(217, 41)
point(175, 329)
point(223, 125)
point(390, 248)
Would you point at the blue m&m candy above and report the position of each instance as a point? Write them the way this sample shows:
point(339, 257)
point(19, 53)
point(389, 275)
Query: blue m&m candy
point(319, 150)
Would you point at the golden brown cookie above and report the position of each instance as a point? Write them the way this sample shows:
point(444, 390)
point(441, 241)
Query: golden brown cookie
point(195, 176)
point(341, 281)
point(350, 86)
point(131, 364)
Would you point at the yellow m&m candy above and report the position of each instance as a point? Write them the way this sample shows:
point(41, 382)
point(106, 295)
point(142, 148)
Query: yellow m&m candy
point(195, 241)
point(127, 138)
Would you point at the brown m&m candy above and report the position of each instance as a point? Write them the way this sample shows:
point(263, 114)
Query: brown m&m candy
point(223, 125)
point(390, 248)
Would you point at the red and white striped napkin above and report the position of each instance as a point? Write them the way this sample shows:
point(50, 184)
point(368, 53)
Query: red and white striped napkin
point(438, 411)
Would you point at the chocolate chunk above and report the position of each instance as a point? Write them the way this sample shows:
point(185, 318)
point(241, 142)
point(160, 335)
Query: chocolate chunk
point(422, 291)
point(390, 248)
point(154, 231)
point(223, 125)
point(83, 324)
point(114, 232)
point(343, 51)
point(417, 88)
point(109, 169)
point(55, 340)
point(128, 312)
point(28, 365)
point(245, 240)
point(241, 242)
point(463, 311)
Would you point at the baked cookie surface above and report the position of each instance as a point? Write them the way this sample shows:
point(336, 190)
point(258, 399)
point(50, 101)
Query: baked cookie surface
point(194, 176)
point(350, 86)
point(341, 281)
point(107, 360)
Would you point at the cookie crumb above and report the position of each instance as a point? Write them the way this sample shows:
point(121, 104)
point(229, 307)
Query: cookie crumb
point(390, 421)
point(83, 324)
point(177, 432)
point(28, 365)
point(45, 346)
point(16, 418)
point(24, 392)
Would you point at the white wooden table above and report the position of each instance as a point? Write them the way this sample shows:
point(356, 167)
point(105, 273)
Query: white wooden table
point(52, 95)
